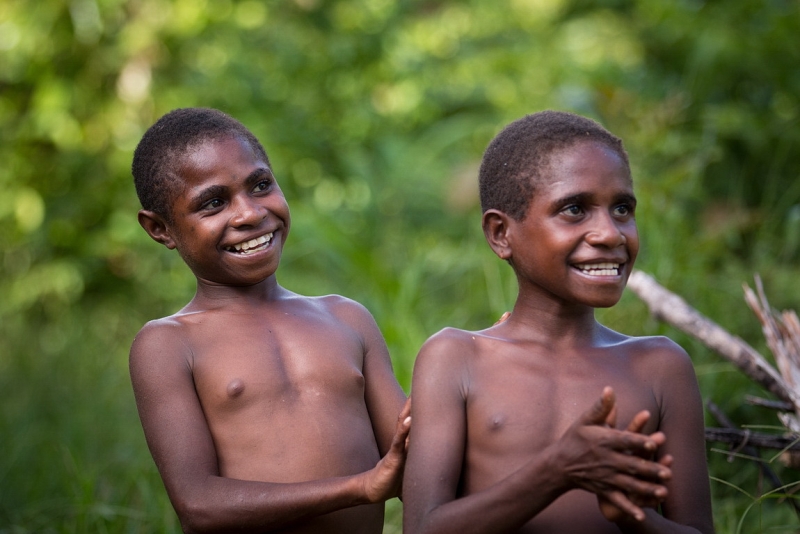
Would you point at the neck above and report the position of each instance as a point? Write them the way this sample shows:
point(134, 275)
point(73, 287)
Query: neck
point(213, 295)
point(554, 323)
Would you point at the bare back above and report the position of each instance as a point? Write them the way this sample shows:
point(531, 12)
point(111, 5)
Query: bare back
point(281, 388)
point(495, 402)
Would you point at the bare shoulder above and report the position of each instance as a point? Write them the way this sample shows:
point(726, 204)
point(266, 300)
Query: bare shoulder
point(445, 351)
point(339, 306)
point(665, 365)
point(160, 344)
point(157, 332)
point(658, 351)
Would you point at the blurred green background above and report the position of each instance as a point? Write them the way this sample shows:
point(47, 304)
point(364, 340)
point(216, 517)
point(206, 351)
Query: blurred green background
point(375, 114)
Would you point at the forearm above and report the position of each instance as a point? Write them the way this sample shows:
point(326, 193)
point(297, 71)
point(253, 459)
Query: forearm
point(505, 506)
point(222, 505)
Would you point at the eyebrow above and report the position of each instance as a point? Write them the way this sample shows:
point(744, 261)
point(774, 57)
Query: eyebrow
point(258, 174)
point(581, 198)
point(220, 190)
point(207, 193)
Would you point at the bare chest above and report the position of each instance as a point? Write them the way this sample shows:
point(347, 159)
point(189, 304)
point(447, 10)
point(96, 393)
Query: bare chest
point(284, 400)
point(276, 365)
point(521, 407)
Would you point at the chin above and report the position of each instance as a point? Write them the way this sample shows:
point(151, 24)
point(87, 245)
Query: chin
point(603, 301)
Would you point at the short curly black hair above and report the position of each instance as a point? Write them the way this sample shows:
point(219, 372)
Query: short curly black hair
point(517, 156)
point(165, 143)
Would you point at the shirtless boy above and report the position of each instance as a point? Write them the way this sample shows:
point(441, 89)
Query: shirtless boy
point(514, 426)
point(264, 410)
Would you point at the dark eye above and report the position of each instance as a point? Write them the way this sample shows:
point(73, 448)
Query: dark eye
point(212, 204)
point(263, 185)
point(573, 210)
point(623, 210)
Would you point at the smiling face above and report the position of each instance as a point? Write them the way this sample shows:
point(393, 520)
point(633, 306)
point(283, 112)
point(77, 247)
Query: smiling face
point(229, 220)
point(578, 240)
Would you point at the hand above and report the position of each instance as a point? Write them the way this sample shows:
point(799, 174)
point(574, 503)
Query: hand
point(609, 510)
point(502, 318)
point(384, 481)
point(614, 464)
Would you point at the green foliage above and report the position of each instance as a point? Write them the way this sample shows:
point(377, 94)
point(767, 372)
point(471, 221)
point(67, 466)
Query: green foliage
point(375, 114)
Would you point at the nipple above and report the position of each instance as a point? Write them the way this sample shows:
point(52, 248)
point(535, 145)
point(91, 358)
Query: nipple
point(497, 421)
point(235, 388)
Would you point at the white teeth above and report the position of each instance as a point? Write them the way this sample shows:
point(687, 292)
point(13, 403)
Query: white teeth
point(599, 269)
point(248, 247)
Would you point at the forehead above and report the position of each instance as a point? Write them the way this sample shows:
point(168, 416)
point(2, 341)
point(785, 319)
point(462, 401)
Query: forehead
point(582, 160)
point(217, 155)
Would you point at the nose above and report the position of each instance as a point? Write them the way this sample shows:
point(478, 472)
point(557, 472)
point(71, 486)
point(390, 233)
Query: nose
point(247, 211)
point(606, 231)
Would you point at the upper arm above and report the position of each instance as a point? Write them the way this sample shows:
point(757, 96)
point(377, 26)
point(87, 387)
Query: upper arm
point(681, 420)
point(438, 427)
point(169, 409)
point(383, 395)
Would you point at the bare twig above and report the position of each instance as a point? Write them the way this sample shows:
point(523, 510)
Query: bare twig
point(767, 403)
point(672, 309)
point(762, 440)
point(747, 447)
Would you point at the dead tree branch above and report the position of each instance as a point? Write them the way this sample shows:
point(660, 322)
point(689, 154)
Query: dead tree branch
point(672, 309)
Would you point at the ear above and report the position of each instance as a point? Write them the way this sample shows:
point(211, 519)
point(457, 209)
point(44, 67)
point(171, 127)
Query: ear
point(496, 227)
point(156, 227)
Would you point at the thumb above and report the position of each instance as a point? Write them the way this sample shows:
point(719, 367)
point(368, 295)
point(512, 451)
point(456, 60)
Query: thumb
point(602, 411)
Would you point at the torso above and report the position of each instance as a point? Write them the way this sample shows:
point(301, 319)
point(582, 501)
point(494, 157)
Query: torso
point(283, 395)
point(557, 390)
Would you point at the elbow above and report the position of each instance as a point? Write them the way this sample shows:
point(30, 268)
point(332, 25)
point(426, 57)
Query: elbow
point(197, 516)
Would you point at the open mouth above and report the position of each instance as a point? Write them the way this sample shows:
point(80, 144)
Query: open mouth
point(251, 246)
point(599, 269)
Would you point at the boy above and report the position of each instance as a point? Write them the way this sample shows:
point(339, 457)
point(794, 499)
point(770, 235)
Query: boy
point(264, 410)
point(502, 438)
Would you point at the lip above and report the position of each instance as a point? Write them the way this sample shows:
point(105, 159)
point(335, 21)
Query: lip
point(252, 245)
point(599, 269)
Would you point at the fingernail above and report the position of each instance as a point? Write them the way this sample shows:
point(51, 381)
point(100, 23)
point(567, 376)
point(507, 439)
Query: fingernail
point(407, 420)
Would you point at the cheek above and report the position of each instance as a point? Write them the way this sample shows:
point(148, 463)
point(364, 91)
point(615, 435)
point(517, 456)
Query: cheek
point(633, 242)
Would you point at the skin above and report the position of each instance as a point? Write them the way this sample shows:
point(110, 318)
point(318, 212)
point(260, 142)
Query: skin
point(264, 410)
point(509, 434)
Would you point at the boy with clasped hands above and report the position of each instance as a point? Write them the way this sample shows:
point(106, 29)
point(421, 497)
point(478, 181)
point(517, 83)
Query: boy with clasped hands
point(515, 426)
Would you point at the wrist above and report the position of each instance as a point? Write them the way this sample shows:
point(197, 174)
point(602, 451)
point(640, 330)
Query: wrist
point(558, 464)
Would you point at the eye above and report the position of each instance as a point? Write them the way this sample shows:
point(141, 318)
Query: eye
point(263, 185)
point(212, 204)
point(573, 210)
point(623, 210)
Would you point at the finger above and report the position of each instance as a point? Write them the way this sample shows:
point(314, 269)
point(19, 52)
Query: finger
point(658, 438)
point(611, 418)
point(636, 472)
point(636, 468)
point(600, 410)
point(406, 411)
point(502, 318)
point(400, 439)
point(618, 499)
point(666, 460)
point(638, 486)
point(638, 421)
point(633, 443)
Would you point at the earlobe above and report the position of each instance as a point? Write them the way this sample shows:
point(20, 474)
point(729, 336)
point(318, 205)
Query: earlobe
point(156, 228)
point(496, 229)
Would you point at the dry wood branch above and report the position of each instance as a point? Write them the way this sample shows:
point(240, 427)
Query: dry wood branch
point(780, 331)
point(672, 309)
point(754, 439)
point(780, 406)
